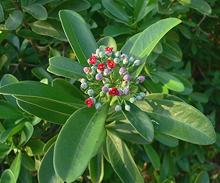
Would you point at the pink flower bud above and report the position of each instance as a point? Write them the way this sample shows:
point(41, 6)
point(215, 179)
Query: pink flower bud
point(86, 69)
point(127, 77)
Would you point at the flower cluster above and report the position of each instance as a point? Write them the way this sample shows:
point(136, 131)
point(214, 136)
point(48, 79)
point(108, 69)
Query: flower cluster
point(109, 75)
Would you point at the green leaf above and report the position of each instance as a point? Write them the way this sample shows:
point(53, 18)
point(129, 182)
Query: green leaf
point(41, 73)
point(142, 8)
point(2, 17)
point(11, 131)
point(127, 132)
point(172, 51)
point(65, 67)
point(170, 81)
point(67, 86)
point(49, 27)
point(141, 122)
point(200, 5)
point(26, 133)
point(77, 142)
point(145, 42)
point(180, 120)
point(9, 111)
point(116, 10)
point(153, 156)
point(108, 42)
point(116, 30)
point(14, 20)
point(36, 10)
point(166, 140)
point(4, 150)
point(7, 177)
point(38, 99)
point(76, 5)
point(16, 166)
point(79, 36)
point(203, 177)
point(46, 171)
point(121, 160)
point(96, 168)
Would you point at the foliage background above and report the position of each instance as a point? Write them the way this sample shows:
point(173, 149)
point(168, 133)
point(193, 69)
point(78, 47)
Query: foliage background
point(30, 35)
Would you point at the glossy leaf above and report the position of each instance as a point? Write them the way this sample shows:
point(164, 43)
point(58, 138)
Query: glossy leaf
point(9, 111)
point(115, 9)
point(127, 132)
point(14, 20)
point(172, 51)
point(46, 172)
point(65, 67)
point(200, 5)
point(203, 177)
point(180, 120)
point(49, 27)
point(96, 168)
point(16, 166)
point(153, 156)
point(7, 177)
point(121, 160)
point(141, 122)
point(77, 142)
point(37, 11)
point(26, 133)
point(79, 36)
point(170, 81)
point(38, 99)
point(4, 150)
point(116, 30)
point(76, 5)
point(146, 41)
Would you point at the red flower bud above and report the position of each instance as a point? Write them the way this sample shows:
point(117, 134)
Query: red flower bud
point(111, 64)
point(101, 67)
point(92, 60)
point(89, 102)
point(108, 50)
point(114, 92)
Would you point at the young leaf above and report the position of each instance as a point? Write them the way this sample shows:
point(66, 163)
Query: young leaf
point(141, 122)
point(77, 142)
point(145, 42)
point(46, 171)
point(121, 160)
point(96, 168)
point(180, 120)
point(65, 67)
point(79, 36)
point(37, 11)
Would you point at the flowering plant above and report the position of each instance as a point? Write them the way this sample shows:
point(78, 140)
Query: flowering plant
point(109, 75)
point(116, 106)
